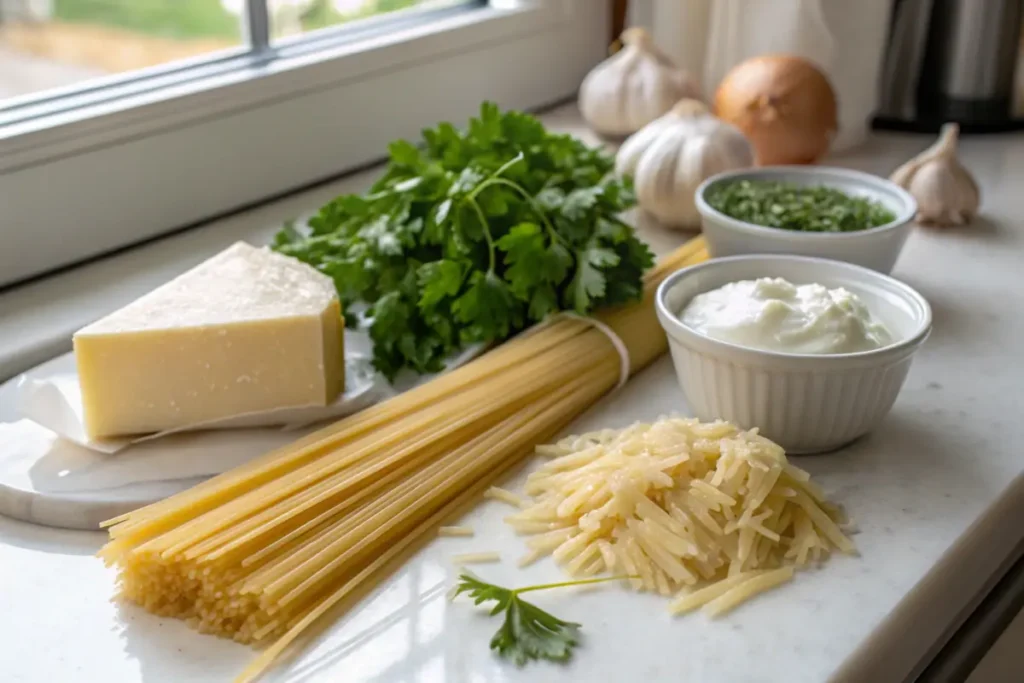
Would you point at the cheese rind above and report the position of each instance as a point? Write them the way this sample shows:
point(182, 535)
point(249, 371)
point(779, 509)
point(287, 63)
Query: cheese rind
point(247, 331)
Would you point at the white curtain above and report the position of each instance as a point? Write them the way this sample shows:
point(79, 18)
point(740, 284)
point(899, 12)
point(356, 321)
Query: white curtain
point(845, 38)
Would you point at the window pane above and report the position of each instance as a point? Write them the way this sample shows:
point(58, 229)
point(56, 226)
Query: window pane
point(293, 17)
point(52, 43)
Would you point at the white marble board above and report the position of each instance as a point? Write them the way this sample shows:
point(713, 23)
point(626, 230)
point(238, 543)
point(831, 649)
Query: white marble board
point(52, 481)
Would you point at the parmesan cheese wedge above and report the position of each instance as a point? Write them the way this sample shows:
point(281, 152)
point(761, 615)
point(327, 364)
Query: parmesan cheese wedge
point(246, 331)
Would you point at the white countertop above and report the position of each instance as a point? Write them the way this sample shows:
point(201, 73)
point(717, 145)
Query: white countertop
point(937, 492)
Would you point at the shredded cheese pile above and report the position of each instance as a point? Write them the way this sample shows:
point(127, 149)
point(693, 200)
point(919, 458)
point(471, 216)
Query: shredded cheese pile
point(706, 509)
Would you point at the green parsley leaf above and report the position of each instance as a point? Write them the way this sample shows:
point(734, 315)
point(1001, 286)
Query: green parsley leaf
point(404, 153)
point(579, 202)
point(441, 212)
point(488, 309)
point(494, 201)
point(550, 198)
point(523, 128)
point(466, 181)
point(438, 280)
point(530, 262)
point(543, 302)
point(589, 281)
point(487, 128)
point(287, 235)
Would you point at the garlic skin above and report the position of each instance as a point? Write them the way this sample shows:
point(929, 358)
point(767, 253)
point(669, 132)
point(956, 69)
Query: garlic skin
point(633, 87)
point(945, 191)
point(674, 154)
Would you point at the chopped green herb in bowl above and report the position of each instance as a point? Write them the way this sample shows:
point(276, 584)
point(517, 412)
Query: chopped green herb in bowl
point(816, 211)
point(789, 206)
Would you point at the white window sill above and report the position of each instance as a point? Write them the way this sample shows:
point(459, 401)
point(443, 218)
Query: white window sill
point(38, 319)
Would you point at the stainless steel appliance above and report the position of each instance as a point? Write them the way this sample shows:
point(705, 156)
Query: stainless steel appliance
point(953, 60)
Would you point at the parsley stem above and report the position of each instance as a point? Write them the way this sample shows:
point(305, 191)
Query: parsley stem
point(508, 164)
point(487, 231)
point(529, 200)
point(562, 584)
point(496, 179)
point(496, 176)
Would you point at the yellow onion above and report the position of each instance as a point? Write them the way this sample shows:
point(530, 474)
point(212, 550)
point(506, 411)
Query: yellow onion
point(783, 104)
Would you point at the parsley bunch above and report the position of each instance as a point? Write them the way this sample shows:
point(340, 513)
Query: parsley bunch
point(473, 235)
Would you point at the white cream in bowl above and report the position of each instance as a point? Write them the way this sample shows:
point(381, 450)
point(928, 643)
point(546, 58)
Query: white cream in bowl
point(805, 402)
point(773, 314)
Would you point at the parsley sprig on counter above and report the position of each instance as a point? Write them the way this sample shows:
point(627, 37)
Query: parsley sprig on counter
point(528, 632)
point(795, 207)
point(473, 235)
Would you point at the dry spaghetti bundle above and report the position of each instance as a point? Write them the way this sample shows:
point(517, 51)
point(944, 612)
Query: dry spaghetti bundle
point(679, 504)
point(261, 552)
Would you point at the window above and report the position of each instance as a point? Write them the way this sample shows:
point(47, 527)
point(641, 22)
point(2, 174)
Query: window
point(46, 44)
point(122, 120)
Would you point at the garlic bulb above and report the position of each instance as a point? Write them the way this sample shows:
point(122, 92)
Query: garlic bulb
point(632, 87)
point(946, 193)
point(672, 155)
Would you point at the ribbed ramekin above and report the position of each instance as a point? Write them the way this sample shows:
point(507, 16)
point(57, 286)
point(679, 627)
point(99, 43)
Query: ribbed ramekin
point(875, 248)
point(807, 403)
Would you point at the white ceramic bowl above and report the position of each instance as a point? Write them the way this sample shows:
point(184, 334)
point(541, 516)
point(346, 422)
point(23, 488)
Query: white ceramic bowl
point(875, 248)
point(807, 403)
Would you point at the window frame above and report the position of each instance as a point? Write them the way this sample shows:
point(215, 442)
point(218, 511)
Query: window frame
point(102, 174)
point(56, 106)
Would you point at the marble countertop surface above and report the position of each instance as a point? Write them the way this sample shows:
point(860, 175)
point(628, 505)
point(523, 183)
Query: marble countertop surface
point(937, 493)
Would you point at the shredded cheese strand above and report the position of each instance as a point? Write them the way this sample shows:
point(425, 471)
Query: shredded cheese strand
point(476, 558)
